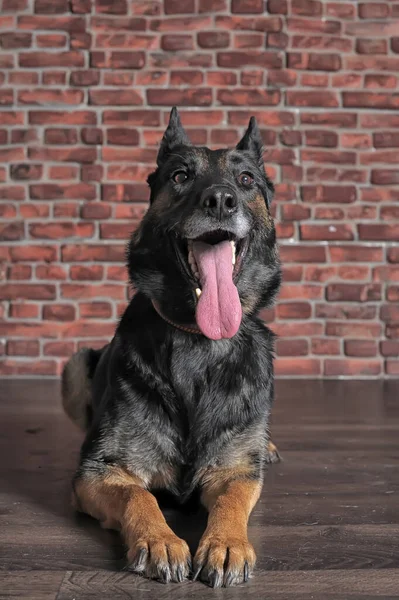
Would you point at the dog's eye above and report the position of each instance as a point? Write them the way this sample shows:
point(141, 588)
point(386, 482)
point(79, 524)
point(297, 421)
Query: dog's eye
point(246, 179)
point(180, 177)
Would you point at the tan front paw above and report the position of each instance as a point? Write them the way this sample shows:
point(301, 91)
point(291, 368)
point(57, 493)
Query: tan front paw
point(164, 557)
point(224, 561)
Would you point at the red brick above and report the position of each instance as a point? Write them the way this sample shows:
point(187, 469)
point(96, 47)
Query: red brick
point(24, 310)
point(373, 10)
point(312, 98)
point(393, 293)
point(370, 100)
point(356, 330)
point(63, 172)
point(314, 61)
point(389, 348)
point(11, 232)
point(86, 273)
point(89, 77)
point(386, 139)
point(247, 6)
point(19, 272)
point(60, 136)
point(373, 80)
point(385, 177)
point(51, 6)
point(279, 7)
point(297, 366)
point(93, 252)
point(58, 348)
point(173, 7)
point(310, 8)
point(375, 231)
point(294, 347)
point(294, 310)
point(76, 117)
point(247, 40)
point(82, 291)
point(353, 292)
point(173, 42)
point(237, 59)
point(95, 210)
point(326, 232)
point(334, 367)
point(51, 59)
point(392, 367)
point(392, 331)
point(33, 253)
point(115, 97)
point(58, 312)
point(324, 193)
point(59, 230)
point(51, 40)
point(51, 191)
point(95, 310)
point(116, 7)
point(15, 39)
point(326, 346)
point(213, 39)
point(29, 291)
point(370, 46)
point(51, 272)
point(22, 348)
point(76, 154)
point(187, 78)
point(277, 40)
point(356, 253)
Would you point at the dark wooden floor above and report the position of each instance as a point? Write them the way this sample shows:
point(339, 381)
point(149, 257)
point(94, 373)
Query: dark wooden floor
point(327, 525)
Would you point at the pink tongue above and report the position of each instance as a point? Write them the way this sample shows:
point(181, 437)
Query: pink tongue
point(219, 309)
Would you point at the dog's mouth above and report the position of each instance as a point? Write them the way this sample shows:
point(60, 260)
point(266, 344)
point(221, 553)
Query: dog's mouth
point(214, 262)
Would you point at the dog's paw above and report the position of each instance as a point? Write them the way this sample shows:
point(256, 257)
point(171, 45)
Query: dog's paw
point(164, 557)
point(272, 454)
point(224, 561)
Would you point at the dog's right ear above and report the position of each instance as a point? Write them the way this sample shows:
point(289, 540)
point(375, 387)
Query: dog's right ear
point(174, 135)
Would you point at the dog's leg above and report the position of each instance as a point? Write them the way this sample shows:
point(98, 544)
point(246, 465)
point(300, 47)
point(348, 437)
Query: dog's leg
point(119, 501)
point(225, 556)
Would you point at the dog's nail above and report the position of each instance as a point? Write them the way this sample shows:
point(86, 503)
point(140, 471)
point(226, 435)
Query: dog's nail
point(229, 579)
point(197, 572)
point(215, 579)
point(246, 571)
point(198, 291)
point(180, 576)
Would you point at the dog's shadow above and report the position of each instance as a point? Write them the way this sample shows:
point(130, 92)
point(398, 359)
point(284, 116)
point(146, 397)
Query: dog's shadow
point(39, 454)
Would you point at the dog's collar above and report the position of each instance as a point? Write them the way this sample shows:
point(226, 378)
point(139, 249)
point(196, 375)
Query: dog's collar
point(187, 328)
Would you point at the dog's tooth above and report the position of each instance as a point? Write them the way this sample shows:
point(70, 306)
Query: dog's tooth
point(233, 247)
point(198, 291)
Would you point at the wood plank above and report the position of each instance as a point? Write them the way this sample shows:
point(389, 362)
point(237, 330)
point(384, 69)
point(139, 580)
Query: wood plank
point(30, 585)
point(330, 585)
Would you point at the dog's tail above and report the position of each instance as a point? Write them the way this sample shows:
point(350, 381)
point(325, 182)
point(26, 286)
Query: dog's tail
point(76, 386)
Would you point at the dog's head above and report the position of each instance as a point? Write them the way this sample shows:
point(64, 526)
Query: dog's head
point(207, 244)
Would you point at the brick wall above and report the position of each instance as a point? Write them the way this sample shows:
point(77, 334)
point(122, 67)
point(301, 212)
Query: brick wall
point(85, 89)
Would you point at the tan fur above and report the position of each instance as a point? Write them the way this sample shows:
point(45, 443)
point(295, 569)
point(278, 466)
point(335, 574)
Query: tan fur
point(76, 388)
point(226, 539)
point(119, 501)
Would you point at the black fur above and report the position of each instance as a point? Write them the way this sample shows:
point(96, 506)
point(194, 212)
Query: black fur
point(162, 397)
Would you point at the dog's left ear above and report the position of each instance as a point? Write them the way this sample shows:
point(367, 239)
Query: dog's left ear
point(174, 135)
point(252, 141)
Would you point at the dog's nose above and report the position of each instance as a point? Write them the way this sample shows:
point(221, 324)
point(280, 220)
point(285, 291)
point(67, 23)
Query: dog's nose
point(219, 202)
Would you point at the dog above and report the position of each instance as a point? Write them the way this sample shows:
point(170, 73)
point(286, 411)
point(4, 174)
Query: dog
point(180, 399)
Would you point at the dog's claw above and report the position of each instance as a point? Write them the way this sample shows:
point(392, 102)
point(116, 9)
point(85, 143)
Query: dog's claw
point(215, 579)
point(179, 573)
point(229, 579)
point(197, 573)
point(246, 572)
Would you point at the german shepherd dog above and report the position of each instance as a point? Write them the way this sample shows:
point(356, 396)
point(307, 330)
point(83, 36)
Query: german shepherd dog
point(180, 399)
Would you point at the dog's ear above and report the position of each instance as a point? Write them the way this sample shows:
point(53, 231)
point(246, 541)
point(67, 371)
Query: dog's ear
point(174, 135)
point(252, 141)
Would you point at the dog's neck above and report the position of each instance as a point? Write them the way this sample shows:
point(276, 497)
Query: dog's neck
point(189, 328)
